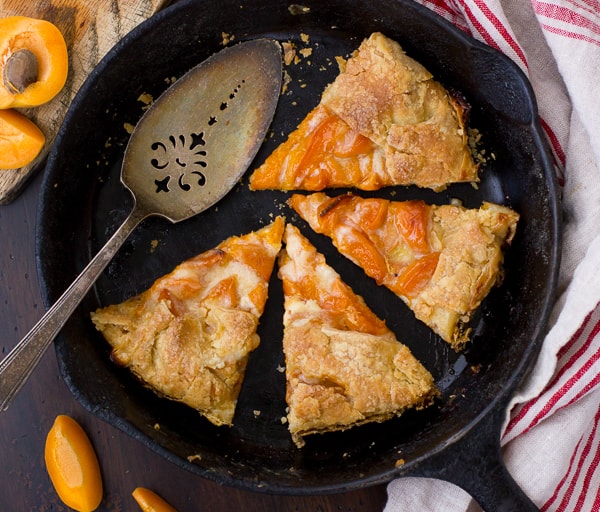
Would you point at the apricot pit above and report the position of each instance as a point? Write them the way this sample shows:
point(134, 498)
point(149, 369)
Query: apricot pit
point(20, 71)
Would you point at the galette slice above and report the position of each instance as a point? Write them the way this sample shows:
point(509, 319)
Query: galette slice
point(344, 367)
point(442, 261)
point(383, 121)
point(189, 336)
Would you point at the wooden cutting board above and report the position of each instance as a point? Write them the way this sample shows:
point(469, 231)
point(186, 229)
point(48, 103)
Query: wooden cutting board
point(90, 28)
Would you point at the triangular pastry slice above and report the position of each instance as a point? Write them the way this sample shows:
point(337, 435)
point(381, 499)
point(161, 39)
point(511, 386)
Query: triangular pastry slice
point(442, 261)
point(344, 367)
point(189, 336)
point(383, 121)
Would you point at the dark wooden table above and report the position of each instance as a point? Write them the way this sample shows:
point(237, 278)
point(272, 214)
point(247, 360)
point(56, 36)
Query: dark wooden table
point(126, 464)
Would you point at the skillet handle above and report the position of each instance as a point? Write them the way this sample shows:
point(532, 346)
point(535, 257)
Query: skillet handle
point(474, 463)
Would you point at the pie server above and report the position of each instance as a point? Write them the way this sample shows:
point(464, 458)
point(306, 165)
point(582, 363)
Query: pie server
point(188, 151)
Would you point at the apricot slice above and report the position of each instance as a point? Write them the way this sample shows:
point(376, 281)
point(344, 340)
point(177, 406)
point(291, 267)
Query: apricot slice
point(72, 465)
point(34, 61)
point(20, 140)
point(149, 501)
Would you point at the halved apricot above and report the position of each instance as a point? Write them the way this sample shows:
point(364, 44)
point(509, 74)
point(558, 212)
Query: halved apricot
point(72, 465)
point(34, 61)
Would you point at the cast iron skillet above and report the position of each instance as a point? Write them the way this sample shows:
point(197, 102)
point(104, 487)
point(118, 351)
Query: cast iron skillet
point(82, 202)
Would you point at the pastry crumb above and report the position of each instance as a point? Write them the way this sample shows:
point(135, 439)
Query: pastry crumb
point(341, 62)
point(296, 9)
point(289, 52)
point(287, 79)
point(192, 458)
point(145, 98)
point(474, 142)
point(226, 38)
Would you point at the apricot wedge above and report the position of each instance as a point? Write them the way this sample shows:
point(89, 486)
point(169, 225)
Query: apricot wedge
point(20, 140)
point(73, 465)
point(149, 501)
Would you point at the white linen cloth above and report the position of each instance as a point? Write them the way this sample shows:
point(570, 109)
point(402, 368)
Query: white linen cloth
point(551, 441)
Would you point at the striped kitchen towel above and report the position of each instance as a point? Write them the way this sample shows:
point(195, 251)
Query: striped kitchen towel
point(551, 441)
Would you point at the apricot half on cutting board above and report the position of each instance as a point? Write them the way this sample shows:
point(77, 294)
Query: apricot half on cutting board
point(34, 61)
point(20, 140)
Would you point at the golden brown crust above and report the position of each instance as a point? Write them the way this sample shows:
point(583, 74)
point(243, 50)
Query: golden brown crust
point(463, 247)
point(379, 87)
point(340, 372)
point(469, 266)
point(189, 336)
point(394, 101)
